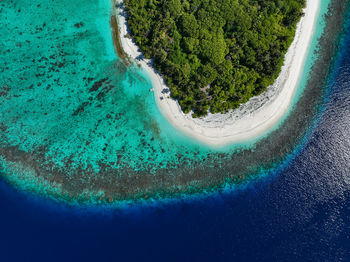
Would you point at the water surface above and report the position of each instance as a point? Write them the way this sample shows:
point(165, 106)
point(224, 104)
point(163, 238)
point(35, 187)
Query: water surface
point(78, 124)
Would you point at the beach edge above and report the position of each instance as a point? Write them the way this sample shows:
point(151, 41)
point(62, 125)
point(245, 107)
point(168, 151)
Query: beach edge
point(216, 130)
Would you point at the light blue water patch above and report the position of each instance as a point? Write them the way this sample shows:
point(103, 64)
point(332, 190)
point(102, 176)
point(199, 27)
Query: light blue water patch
point(105, 32)
point(312, 53)
point(65, 92)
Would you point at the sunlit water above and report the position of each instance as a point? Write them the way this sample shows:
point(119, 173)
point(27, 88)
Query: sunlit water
point(298, 212)
point(74, 118)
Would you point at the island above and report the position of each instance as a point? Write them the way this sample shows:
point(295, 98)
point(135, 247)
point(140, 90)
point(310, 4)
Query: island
point(215, 55)
point(84, 125)
point(206, 58)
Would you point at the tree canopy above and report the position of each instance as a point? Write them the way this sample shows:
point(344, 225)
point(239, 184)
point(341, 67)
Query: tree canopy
point(215, 54)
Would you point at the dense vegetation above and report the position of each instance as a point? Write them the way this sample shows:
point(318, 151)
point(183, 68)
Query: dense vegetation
point(215, 54)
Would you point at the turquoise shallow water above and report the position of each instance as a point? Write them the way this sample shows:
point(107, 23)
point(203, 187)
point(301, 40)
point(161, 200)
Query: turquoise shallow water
point(298, 213)
point(70, 93)
point(67, 99)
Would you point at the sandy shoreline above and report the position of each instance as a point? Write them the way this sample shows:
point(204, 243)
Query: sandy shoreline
point(252, 119)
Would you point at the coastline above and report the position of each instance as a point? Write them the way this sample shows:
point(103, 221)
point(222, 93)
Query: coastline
point(116, 38)
point(118, 47)
point(251, 120)
point(29, 170)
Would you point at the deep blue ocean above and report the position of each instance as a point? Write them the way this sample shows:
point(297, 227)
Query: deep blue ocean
point(301, 212)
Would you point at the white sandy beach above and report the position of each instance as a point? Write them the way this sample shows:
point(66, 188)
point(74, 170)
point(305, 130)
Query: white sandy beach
point(252, 119)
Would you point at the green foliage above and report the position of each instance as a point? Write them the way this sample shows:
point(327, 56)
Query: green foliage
point(215, 54)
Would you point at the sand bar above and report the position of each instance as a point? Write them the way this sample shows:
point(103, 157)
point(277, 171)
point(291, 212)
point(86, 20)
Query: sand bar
point(252, 119)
